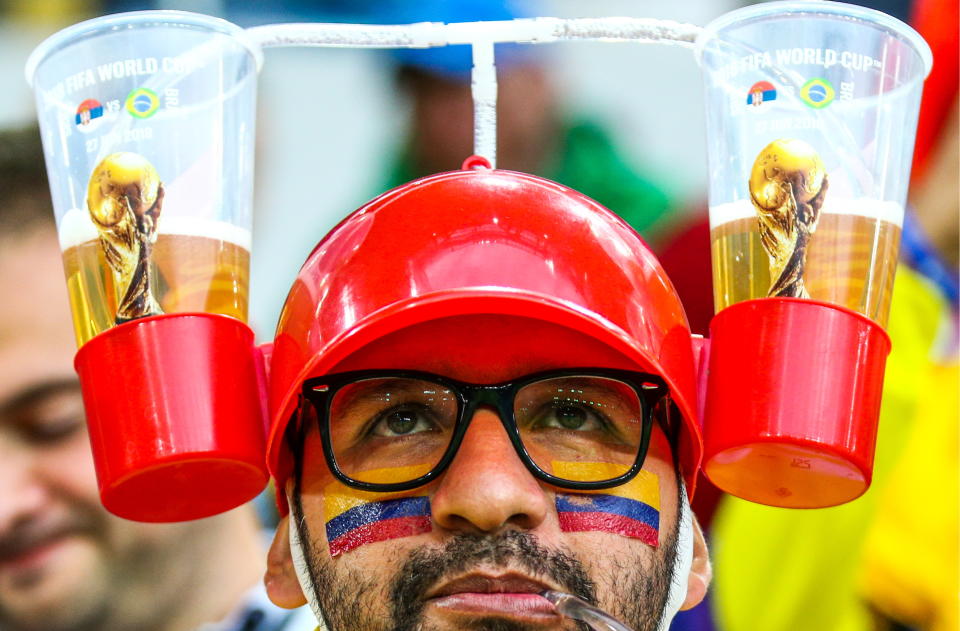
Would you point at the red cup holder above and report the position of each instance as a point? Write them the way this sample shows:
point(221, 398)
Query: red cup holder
point(793, 402)
point(174, 415)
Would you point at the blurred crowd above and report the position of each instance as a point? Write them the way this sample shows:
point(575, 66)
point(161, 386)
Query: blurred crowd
point(886, 561)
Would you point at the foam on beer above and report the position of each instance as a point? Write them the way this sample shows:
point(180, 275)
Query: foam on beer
point(76, 228)
point(864, 207)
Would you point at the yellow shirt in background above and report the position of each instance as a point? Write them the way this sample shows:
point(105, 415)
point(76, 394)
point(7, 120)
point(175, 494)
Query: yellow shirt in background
point(782, 570)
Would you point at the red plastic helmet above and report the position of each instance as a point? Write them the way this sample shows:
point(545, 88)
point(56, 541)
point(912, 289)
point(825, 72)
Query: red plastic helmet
point(527, 262)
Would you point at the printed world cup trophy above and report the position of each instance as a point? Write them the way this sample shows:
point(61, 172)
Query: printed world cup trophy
point(787, 187)
point(124, 198)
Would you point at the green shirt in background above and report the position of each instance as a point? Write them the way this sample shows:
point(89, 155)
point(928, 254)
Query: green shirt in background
point(587, 161)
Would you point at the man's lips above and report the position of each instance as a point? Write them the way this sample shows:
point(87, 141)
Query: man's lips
point(33, 556)
point(27, 544)
point(490, 584)
point(505, 594)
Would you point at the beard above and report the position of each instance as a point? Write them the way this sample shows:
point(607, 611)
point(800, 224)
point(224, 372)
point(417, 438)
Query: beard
point(350, 599)
point(129, 582)
point(26, 603)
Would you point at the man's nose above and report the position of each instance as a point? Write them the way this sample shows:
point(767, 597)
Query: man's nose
point(22, 491)
point(487, 487)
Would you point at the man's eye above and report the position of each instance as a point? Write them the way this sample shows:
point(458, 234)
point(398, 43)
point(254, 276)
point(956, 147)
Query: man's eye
point(402, 421)
point(45, 431)
point(570, 417)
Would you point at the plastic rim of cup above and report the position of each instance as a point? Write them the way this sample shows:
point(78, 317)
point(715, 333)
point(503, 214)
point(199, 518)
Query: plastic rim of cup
point(137, 19)
point(822, 8)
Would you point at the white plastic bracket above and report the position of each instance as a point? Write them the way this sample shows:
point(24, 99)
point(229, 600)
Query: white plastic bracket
point(481, 36)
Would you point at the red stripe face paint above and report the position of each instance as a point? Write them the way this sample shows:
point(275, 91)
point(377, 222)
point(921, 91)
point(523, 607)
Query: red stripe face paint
point(354, 518)
point(630, 510)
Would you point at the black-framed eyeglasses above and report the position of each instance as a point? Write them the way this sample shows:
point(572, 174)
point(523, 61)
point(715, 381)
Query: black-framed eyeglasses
point(395, 430)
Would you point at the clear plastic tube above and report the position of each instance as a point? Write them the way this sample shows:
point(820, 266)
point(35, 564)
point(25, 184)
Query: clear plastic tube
point(572, 607)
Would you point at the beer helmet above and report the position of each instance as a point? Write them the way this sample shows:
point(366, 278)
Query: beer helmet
point(541, 264)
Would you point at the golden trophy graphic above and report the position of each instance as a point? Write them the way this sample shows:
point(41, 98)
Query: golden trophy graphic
point(787, 187)
point(124, 198)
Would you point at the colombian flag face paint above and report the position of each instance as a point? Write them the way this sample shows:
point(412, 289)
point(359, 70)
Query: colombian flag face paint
point(354, 518)
point(631, 509)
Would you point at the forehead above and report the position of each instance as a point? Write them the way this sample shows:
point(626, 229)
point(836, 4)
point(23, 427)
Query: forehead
point(36, 337)
point(485, 348)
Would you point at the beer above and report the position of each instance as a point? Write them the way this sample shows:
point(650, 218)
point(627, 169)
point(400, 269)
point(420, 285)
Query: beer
point(850, 260)
point(197, 266)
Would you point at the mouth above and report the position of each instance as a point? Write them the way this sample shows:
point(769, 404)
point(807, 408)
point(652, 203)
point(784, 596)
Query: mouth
point(507, 595)
point(34, 557)
point(27, 551)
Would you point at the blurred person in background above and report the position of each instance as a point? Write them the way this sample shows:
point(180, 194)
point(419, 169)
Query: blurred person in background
point(65, 563)
point(533, 134)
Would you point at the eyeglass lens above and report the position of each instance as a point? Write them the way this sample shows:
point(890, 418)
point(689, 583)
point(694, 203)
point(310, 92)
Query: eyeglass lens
point(405, 425)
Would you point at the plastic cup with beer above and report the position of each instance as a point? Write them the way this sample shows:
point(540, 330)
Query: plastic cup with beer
point(147, 120)
point(811, 116)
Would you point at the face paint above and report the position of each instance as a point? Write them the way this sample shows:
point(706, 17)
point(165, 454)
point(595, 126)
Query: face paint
point(355, 518)
point(631, 509)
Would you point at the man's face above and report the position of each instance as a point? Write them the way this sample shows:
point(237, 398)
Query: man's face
point(64, 562)
point(496, 534)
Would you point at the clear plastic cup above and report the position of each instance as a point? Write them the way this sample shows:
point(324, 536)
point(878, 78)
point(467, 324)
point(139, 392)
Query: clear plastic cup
point(147, 121)
point(148, 129)
point(823, 93)
point(811, 116)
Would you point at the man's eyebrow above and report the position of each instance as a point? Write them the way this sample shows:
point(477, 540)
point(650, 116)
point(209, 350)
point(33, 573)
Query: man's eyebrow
point(38, 392)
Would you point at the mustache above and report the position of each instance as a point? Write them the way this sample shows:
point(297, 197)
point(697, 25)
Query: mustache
point(511, 549)
point(28, 534)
